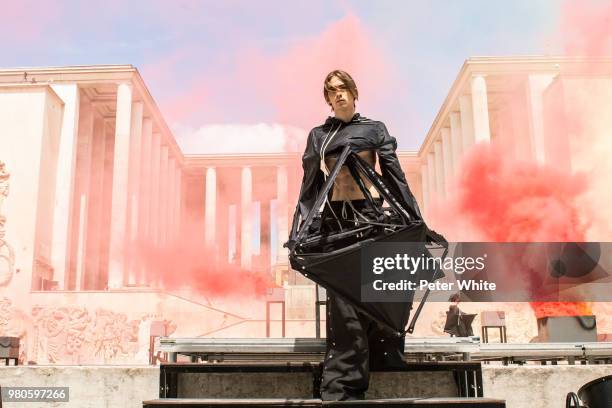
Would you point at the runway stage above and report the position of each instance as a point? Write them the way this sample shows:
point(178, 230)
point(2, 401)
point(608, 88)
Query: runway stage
point(236, 371)
point(443, 372)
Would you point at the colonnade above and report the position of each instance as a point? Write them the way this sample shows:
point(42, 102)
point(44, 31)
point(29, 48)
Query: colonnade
point(466, 126)
point(125, 196)
point(241, 215)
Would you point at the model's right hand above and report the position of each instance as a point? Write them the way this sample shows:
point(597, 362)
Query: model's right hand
point(289, 244)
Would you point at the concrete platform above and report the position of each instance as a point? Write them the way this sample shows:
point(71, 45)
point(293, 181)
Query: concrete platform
point(89, 386)
point(531, 386)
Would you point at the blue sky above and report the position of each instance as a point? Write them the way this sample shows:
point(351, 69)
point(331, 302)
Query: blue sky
point(200, 52)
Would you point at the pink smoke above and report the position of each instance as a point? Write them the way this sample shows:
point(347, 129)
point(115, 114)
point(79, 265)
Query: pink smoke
point(187, 264)
point(503, 197)
point(252, 85)
point(293, 81)
point(585, 28)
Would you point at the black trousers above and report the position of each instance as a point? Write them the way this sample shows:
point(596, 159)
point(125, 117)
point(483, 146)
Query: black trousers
point(355, 343)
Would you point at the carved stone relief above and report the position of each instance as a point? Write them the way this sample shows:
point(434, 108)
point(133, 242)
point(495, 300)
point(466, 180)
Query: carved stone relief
point(7, 255)
point(74, 335)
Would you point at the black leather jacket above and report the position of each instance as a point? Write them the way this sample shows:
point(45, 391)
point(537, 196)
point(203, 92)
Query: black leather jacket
point(362, 134)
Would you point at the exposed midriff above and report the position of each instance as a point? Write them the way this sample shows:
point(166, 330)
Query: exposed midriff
point(345, 187)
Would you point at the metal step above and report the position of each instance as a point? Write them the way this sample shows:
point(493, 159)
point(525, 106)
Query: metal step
point(273, 380)
point(235, 403)
point(378, 403)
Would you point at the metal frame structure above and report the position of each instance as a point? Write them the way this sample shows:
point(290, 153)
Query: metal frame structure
point(416, 350)
point(468, 375)
point(405, 216)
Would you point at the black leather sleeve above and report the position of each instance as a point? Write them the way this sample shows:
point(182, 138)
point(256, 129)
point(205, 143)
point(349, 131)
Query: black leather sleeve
point(311, 185)
point(392, 172)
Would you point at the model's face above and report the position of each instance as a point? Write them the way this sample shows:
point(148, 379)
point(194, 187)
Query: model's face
point(339, 95)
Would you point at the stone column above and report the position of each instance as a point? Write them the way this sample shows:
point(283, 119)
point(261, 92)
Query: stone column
point(431, 176)
point(134, 189)
point(163, 197)
point(456, 140)
point(178, 203)
point(146, 166)
point(223, 228)
point(171, 201)
point(424, 187)
point(210, 207)
point(155, 175)
point(135, 170)
point(81, 226)
point(264, 233)
point(233, 239)
point(119, 206)
point(95, 213)
point(467, 123)
point(537, 85)
point(78, 254)
point(64, 184)
point(245, 218)
point(480, 109)
point(439, 160)
point(109, 157)
point(447, 155)
point(282, 212)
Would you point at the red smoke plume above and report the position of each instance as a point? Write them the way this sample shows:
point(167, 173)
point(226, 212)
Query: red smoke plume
point(187, 265)
point(585, 28)
point(497, 197)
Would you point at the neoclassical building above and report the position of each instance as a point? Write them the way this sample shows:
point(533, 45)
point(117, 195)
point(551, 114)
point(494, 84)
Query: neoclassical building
point(92, 171)
point(512, 100)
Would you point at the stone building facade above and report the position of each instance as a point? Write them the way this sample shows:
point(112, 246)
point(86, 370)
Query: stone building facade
point(92, 182)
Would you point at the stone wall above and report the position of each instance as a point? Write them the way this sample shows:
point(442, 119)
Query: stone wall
point(114, 327)
point(127, 386)
point(538, 386)
point(89, 386)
